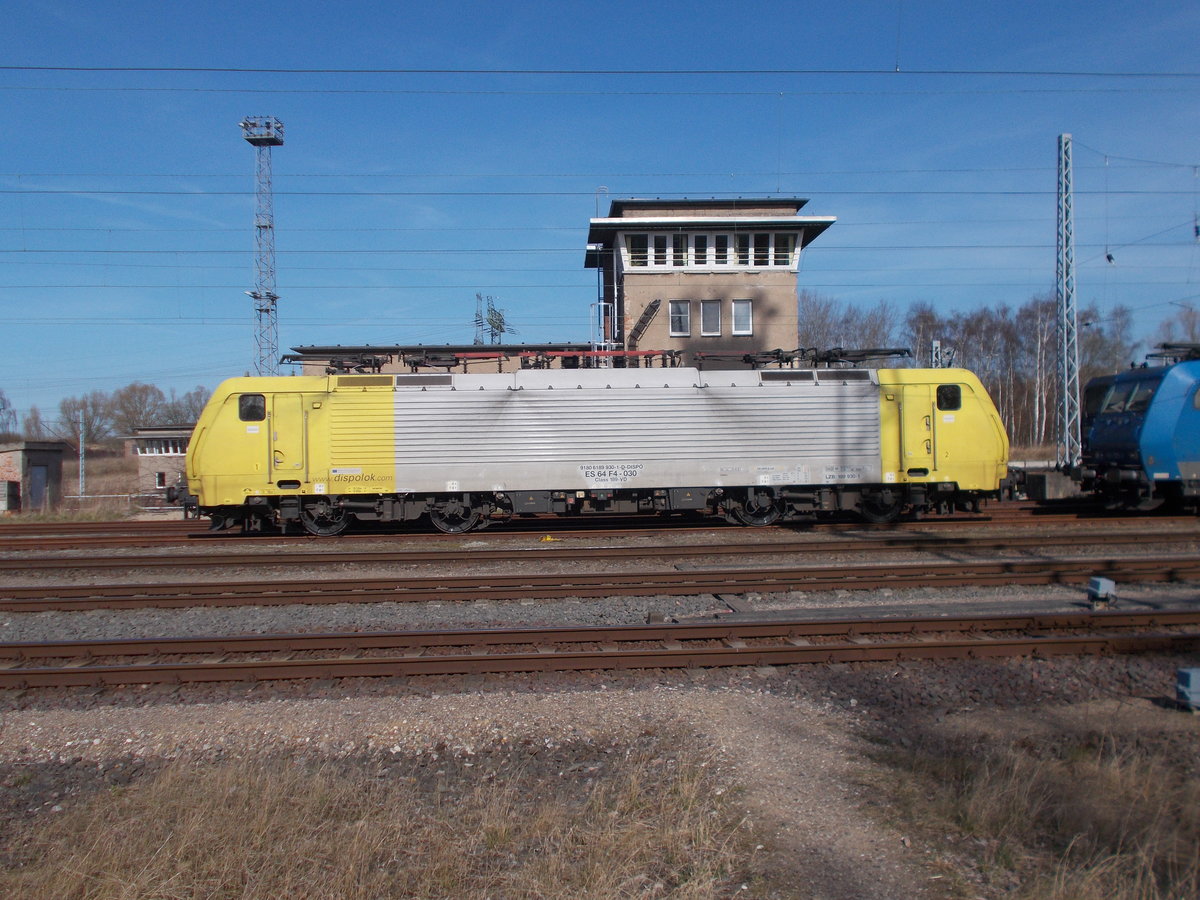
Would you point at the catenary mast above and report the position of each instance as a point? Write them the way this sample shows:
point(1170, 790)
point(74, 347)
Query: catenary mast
point(1069, 443)
point(263, 133)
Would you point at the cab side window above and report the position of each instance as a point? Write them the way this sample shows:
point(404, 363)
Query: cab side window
point(252, 407)
point(949, 397)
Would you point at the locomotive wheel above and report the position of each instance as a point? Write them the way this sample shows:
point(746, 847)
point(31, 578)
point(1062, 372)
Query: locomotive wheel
point(757, 509)
point(454, 517)
point(880, 509)
point(322, 518)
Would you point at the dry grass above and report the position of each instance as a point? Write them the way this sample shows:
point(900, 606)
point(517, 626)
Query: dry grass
point(1100, 818)
point(313, 829)
point(108, 473)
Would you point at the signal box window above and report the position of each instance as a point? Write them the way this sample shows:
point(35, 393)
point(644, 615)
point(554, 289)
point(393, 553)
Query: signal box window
point(785, 245)
point(252, 407)
point(949, 397)
point(679, 250)
point(639, 249)
point(742, 242)
point(710, 317)
point(660, 249)
point(681, 318)
point(762, 249)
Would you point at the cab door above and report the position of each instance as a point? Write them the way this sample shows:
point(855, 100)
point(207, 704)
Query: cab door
point(288, 436)
point(916, 430)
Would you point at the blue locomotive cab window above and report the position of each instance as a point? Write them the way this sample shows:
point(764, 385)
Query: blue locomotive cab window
point(949, 396)
point(1131, 396)
point(252, 407)
point(1139, 400)
point(1196, 399)
point(1117, 398)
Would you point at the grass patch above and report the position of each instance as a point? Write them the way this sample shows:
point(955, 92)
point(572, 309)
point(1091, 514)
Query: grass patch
point(647, 824)
point(1100, 816)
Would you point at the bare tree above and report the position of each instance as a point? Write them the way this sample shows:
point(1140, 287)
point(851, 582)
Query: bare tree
point(185, 410)
point(826, 323)
point(93, 410)
point(820, 321)
point(1183, 326)
point(1106, 343)
point(33, 427)
point(135, 405)
point(8, 418)
point(874, 327)
point(922, 326)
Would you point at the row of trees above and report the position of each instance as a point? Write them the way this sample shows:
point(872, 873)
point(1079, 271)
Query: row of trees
point(1013, 350)
point(103, 415)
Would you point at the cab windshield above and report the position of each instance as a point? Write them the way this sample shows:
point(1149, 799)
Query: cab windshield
point(1131, 396)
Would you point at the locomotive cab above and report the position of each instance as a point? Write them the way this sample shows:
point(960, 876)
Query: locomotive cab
point(1141, 444)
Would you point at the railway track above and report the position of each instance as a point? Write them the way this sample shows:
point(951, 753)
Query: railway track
point(270, 657)
point(39, 537)
point(304, 555)
point(574, 584)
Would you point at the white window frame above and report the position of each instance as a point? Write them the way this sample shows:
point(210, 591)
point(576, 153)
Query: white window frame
point(705, 307)
point(684, 308)
point(667, 251)
point(776, 249)
point(722, 254)
point(748, 327)
point(680, 251)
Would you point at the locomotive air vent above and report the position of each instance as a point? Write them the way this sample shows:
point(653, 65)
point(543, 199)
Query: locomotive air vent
point(403, 381)
point(792, 376)
point(844, 375)
point(363, 381)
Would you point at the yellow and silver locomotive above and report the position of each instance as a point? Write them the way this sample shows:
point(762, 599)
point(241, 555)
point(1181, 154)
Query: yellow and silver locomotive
point(467, 450)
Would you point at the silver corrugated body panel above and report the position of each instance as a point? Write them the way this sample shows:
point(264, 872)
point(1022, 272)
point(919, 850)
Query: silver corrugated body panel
point(571, 432)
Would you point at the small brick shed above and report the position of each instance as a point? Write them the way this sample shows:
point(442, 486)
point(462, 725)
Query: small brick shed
point(31, 476)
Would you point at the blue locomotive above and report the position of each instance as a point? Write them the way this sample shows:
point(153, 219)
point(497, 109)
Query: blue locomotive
point(1141, 433)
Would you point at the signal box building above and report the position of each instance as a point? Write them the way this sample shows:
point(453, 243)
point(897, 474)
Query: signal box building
point(161, 451)
point(681, 282)
point(713, 280)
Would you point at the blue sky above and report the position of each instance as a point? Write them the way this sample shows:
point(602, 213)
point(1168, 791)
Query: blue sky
point(473, 162)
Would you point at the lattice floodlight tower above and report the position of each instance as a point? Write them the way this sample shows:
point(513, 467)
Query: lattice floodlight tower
point(263, 133)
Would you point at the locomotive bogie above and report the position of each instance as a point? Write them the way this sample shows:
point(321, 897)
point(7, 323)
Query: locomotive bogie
point(466, 451)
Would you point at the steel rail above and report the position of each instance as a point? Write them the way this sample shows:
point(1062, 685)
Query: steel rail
point(13, 538)
point(276, 555)
point(539, 586)
point(576, 649)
